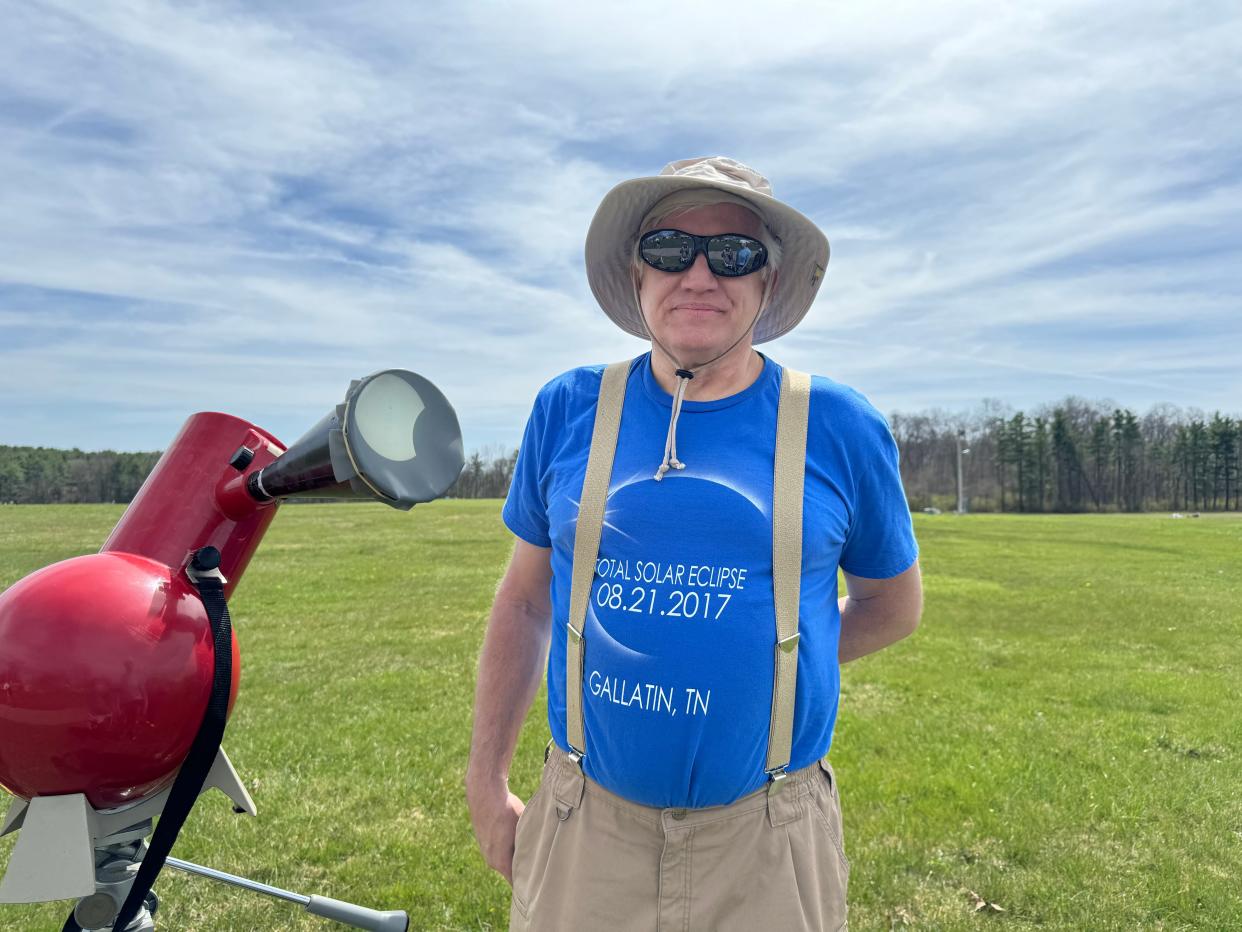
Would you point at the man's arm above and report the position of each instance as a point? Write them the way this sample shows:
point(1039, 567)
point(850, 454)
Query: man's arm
point(879, 612)
point(511, 664)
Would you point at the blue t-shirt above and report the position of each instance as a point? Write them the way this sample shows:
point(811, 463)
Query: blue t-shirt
point(677, 678)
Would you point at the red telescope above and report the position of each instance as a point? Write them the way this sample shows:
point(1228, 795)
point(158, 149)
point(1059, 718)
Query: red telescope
point(106, 660)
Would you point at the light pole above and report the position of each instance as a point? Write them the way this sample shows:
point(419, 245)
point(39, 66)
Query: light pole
point(962, 450)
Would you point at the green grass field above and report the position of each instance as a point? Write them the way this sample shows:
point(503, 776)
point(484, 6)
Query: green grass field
point(1062, 737)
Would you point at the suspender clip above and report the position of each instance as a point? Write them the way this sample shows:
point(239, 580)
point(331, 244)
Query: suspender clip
point(574, 634)
point(776, 779)
point(789, 644)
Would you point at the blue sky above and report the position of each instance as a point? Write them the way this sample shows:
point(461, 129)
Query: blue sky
point(242, 206)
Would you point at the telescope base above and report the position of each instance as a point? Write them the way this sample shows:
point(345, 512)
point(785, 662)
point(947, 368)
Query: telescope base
point(52, 858)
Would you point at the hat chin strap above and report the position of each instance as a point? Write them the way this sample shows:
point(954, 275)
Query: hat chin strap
point(684, 375)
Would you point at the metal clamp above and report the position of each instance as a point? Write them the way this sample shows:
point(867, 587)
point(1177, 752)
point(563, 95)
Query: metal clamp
point(776, 778)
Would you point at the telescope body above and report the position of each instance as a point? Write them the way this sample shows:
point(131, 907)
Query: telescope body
point(106, 660)
point(193, 498)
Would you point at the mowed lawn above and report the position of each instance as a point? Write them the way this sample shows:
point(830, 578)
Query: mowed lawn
point(1061, 739)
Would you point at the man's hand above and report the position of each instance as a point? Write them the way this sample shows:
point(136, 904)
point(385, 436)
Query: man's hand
point(494, 813)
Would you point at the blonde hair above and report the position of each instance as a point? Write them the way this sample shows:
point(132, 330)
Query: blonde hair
point(680, 202)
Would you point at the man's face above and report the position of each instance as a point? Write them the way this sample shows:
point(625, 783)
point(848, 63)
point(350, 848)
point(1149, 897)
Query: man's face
point(694, 313)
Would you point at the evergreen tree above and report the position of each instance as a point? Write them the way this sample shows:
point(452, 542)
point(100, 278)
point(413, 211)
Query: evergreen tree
point(1101, 451)
point(1041, 456)
point(1199, 455)
point(1066, 464)
point(1223, 442)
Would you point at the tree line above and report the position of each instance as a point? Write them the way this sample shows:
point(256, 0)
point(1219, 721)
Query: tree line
point(1072, 456)
point(39, 475)
point(487, 474)
point(1075, 455)
point(42, 475)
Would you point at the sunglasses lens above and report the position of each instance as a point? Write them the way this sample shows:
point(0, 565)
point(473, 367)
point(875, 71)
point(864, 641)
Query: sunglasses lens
point(667, 250)
point(735, 255)
point(729, 255)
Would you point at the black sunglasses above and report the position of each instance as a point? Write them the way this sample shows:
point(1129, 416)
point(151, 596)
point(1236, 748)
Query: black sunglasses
point(728, 254)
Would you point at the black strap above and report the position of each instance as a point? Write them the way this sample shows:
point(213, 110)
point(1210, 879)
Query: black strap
point(198, 761)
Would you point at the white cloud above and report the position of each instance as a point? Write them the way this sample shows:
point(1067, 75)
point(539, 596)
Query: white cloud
point(269, 200)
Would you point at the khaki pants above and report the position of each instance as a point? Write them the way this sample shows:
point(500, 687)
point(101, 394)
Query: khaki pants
point(588, 859)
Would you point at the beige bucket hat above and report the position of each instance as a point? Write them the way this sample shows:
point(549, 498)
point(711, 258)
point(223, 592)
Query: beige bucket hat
point(614, 231)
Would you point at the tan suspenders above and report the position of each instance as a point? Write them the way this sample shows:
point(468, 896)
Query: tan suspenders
point(787, 476)
point(787, 481)
point(586, 542)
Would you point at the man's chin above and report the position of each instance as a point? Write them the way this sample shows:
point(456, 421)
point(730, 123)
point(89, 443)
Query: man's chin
point(693, 357)
point(691, 351)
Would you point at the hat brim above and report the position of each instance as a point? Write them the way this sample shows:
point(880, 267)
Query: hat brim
point(614, 230)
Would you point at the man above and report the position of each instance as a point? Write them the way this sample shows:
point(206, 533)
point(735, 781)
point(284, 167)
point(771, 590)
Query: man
point(689, 601)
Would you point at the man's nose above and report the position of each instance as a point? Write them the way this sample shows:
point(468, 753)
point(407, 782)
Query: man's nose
point(698, 277)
